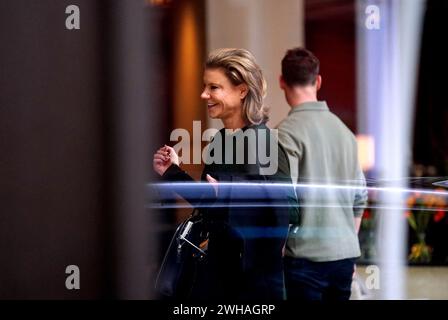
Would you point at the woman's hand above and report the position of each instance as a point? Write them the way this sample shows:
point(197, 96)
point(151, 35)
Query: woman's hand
point(213, 182)
point(164, 158)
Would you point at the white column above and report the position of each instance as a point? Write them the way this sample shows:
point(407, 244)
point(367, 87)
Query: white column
point(388, 51)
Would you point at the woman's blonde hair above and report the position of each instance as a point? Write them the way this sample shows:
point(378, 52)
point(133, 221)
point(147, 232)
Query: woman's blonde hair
point(240, 67)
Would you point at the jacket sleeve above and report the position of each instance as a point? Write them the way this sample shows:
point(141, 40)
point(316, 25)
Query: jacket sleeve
point(185, 186)
point(293, 153)
point(284, 176)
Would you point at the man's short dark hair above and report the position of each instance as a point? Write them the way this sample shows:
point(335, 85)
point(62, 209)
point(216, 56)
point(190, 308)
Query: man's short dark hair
point(300, 67)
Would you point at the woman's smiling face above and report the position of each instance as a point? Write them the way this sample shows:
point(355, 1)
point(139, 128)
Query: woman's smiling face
point(224, 100)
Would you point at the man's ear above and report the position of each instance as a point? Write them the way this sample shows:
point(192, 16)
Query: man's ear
point(318, 82)
point(281, 82)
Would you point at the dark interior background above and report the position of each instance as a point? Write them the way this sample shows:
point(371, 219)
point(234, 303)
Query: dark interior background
point(75, 141)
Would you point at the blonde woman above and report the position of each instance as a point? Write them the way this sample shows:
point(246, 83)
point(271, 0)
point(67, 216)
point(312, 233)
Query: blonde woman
point(244, 257)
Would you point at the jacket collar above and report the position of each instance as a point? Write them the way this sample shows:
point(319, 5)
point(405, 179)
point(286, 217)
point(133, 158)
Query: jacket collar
point(310, 106)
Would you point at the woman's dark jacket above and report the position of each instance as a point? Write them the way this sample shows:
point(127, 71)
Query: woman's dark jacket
point(248, 225)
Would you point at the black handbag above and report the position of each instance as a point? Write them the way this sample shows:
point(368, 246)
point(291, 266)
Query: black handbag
point(187, 248)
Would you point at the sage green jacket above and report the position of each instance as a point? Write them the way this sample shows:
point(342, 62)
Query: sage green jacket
point(331, 191)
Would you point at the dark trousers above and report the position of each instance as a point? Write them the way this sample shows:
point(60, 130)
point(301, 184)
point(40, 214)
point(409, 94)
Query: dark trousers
point(308, 280)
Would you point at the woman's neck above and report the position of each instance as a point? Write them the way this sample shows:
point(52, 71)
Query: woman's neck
point(234, 123)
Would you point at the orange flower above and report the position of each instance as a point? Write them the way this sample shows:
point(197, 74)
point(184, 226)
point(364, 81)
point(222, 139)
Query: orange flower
point(410, 202)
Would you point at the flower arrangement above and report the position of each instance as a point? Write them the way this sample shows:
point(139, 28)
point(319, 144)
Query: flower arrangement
point(421, 208)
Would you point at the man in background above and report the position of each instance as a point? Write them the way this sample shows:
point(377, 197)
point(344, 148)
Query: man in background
point(322, 245)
